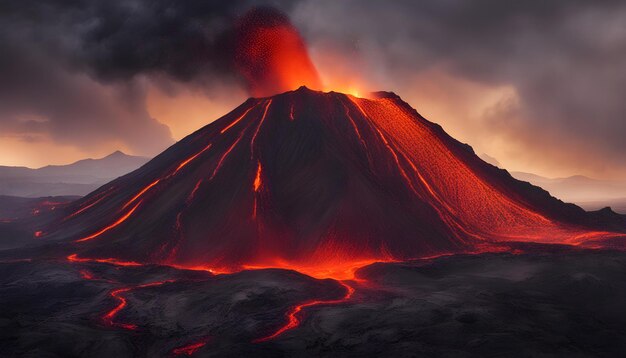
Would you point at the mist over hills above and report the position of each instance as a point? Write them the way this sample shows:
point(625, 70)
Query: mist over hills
point(588, 193)
point(76, 179)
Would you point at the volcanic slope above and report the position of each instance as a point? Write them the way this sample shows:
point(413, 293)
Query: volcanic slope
point(318, 180)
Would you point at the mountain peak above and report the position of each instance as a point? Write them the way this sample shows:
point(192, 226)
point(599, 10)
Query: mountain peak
point(317, 181)
point(117, 153)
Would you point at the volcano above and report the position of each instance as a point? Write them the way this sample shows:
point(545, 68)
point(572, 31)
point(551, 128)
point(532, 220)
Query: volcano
point(319, 182)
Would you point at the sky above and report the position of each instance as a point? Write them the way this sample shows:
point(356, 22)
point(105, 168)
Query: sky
point(537, 85)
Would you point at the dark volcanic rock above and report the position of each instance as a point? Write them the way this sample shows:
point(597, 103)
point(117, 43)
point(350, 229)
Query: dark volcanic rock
point(491, 305)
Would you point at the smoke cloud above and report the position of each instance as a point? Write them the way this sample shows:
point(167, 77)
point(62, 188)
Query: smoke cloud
point(536, 85)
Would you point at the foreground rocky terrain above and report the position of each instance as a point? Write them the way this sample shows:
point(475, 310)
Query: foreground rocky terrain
point(566, 303)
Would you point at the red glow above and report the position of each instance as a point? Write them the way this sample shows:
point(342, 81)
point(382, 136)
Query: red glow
point(181, 165)
point(194, 191)
point(293, 320)
point(257, 179)
point(108, 318)
point(112, 261)
point(291, 114)
point(466, 202)
point(143, 191)
point(189, 349)
point(223, 157)
point(86, 275)
point(109, 227)
point(356, 129)
point(256, 186)
point(48, 203)
point(116, 262)
point(335, 269)
point(237, 120)
point(117, 294)
point(271, 55)
point(397, 160)
point(38, 233)
point(178, 226)
point(206, 268)
point(101, 197)
point(258, 128)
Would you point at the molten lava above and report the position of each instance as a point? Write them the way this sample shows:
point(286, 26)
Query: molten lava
point(181, 165)
point(148, 187)
point(93, 202)
point(257, 179)
point(123, 302)
point(189, 349)
point(113, 225)
point(86, 275)
point(112, 261)
point(292, 316)
point(271, 55)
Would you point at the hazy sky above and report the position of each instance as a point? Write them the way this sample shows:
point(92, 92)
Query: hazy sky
point(538, 85)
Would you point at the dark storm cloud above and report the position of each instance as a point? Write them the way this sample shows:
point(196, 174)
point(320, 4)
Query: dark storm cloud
point(179, 38)
point(76, 70)
point(81, 65)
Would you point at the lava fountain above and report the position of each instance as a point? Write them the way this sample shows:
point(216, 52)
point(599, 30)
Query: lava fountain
point(271, 55)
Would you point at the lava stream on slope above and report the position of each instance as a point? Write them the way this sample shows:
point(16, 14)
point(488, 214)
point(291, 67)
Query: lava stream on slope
point(294, 321)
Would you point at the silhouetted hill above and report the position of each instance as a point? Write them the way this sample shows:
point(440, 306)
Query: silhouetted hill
point(78, 178)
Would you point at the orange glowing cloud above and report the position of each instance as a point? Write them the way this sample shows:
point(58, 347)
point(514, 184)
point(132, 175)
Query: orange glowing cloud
point(271, 55)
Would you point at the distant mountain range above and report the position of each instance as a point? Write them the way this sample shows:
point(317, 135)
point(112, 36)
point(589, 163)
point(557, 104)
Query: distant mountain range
point(589, 193)
point(79, 178)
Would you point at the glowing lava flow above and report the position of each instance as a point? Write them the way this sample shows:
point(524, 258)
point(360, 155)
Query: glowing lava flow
point(233, 123)
point(107, 228)
point(189, 349)
point(397, 160)
point(194, 191)
point(101, 197)
point(257, 179)
point(117, 294)
point(181, 165)
point(178, 168)
point(223, 157)
point(468, 201)
point(292, 316)
point(356, 129)
point(112, 261)
point(86, 275)
point(256, 186)
point(256, 132)
point(135, 198)
point(143, 191)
